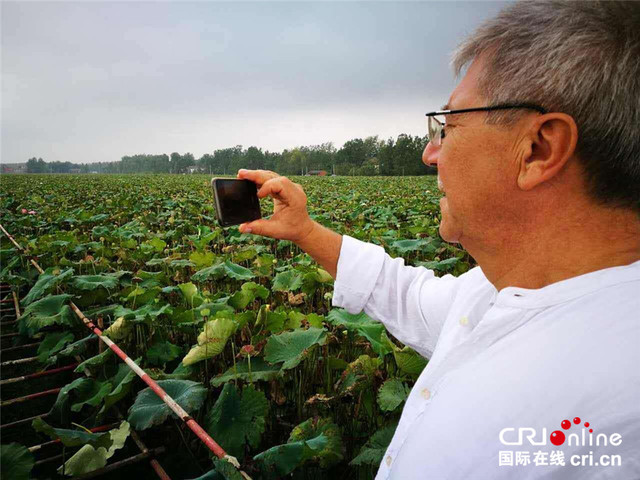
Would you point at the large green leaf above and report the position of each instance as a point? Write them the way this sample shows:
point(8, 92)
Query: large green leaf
point(157, 244)
point(416, 245)
point(409, 361)
point(226, 269)
point(259, 371)
point(247, 294)
point(211, 341)
point(331, 453)
point(237, 272)
point(372, 452)
point(237, 420)
point(72, 438)
point(93, 282)
point(16, 462)
point(358, 375)
point(203, 239)
point(88, 458)
point(445, 265)
point(362, 324)
point(284, 459)
point(47, 281)
point(52, 344)
point(316, 440)
point(190, 293)
point(123, 379)
point(292, 347)
point(149, 409)
point(95, 362)
point(146, 313)
point(119, 329)
point(163, 352)
point(77, 394)
point(276, 321)
point(151, 279)
point(391, 394)
point(288, 281)
point(51, 310)
point(202, 259)
point(76, 348)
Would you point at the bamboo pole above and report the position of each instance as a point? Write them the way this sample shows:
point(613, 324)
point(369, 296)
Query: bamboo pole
point(24, 420)
point(32, 396)
point(38, 374)
point(20, 347)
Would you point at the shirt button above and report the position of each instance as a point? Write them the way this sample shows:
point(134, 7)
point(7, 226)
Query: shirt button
point(388, 460)
point(426, 393)
point(464, 321)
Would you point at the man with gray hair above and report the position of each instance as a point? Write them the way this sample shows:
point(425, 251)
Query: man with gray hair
point(534, 355)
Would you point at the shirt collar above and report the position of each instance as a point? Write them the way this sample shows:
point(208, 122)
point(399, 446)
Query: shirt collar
point(568, 289)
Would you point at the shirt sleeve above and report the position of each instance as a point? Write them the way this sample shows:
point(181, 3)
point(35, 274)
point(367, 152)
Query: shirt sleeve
point(411, 302)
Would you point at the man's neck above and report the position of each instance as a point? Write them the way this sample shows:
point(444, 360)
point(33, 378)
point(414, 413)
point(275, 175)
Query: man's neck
point(562, 248)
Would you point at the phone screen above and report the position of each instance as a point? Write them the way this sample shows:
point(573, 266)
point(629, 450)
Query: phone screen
point(236, 201)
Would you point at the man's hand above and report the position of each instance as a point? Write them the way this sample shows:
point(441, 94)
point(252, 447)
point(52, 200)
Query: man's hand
point(290, 219)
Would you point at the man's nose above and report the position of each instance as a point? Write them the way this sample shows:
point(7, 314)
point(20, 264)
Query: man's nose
point(430, 155)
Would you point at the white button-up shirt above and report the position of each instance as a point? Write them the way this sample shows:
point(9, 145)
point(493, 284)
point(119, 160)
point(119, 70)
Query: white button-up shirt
point(506, 369)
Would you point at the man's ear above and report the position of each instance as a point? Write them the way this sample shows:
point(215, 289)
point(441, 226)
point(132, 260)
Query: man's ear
point(551, 140)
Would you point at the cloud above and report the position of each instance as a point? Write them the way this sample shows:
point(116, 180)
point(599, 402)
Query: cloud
point(93, 81)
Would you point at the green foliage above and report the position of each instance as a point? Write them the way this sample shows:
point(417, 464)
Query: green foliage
point(409, 361)
point(52, 344)
point(256, 311)
point(288, 281)
point(75, 395)
point(247, 294)
point(90, 458)
point(149, 409)
point(331, 452)
point(121, 381)
point(292, 347)
point(226, 269)
point(391, 394)
point(47, 281)
point(415, 245)
point(249, 370)
point(211, 341)
point(95, 362)
point(72, 438)
point(51, 310)
point(372, 452)
point(162, 352)
point(365, 326)
point(16, 462)
point(445, 265)
point(238, 419)
point(119, 329)
point(93, 282)
point(316, 440)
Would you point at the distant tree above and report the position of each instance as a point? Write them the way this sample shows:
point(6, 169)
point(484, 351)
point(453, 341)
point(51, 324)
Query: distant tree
point(37, 165)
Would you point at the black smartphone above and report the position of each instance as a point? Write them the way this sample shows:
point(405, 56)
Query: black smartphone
point(236, 201)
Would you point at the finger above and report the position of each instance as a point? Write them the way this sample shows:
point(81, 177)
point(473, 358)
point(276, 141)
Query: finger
point(262, 227)
point(259, 177)
point(273, 187)
point(283, 189)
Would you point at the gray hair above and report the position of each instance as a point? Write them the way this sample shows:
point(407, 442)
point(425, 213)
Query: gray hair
point(579, 58)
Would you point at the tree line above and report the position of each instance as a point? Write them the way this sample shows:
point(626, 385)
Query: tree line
point(369, 156)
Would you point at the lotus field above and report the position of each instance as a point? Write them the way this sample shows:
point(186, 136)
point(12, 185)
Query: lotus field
point(238, 329)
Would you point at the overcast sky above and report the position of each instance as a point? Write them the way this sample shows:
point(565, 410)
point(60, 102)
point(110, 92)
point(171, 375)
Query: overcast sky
point(94, 81)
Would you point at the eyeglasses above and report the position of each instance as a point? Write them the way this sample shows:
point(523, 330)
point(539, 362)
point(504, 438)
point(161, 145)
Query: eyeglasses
point(435, 126)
